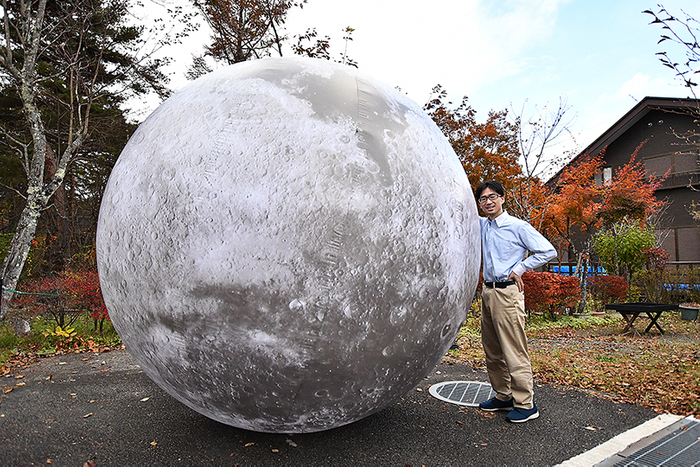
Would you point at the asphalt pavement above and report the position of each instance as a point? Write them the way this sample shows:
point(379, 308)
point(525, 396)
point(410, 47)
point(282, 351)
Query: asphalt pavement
point(101, 409)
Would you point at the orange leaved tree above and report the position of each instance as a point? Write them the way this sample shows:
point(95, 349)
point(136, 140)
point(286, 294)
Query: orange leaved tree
point(488, 150)
point(580, 206)
point(630, 194)
point(573, 214)
point(628, 201)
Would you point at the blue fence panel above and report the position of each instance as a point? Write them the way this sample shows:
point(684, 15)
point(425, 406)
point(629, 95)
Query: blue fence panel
point(571, 270)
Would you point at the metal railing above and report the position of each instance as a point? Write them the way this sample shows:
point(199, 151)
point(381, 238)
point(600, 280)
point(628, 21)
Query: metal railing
point(679, 180)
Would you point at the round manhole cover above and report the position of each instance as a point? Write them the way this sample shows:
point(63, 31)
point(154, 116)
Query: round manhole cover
point(469, 393)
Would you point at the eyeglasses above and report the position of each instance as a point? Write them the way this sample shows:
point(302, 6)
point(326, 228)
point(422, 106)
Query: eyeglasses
point(491, 197)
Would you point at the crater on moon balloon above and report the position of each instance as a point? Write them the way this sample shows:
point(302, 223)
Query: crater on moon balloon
point(288, 245)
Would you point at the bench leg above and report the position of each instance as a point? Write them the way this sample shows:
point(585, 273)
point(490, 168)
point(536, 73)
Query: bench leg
point(654, 318)
point(630, 319)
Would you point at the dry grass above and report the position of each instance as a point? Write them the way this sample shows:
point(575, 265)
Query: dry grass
point(653, 370)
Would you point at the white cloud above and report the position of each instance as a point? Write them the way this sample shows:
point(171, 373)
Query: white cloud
point(460, 44)
point(499, 53)
point(642, 85)
point(504, 42)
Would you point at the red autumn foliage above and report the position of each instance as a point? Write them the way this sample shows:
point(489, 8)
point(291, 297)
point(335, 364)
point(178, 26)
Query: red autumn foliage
point(546, 292)
point(90, 295)
point(64, 296)
point(657, 258)
point(609, 289)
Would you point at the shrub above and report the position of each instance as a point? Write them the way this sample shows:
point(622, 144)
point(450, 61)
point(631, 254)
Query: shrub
point(689, 283)
point(65, 296)
point(670, 286)
point(609, 289)
point(48, 296)
point(547, 292)
point(656, 258)
point(652, 284)
point(621, 247)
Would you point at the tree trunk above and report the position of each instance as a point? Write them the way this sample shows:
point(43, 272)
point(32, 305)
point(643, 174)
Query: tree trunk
point(19, 249)
point(582, 270)
point(582, 284)
point(58, 237)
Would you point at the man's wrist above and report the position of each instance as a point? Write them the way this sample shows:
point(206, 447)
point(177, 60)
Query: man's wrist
point(519, 270)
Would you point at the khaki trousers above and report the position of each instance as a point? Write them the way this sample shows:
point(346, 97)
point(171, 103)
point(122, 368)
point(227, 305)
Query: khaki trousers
point(505, 344)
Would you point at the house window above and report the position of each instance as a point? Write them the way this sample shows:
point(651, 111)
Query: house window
point(607, 175)
point(604, 177)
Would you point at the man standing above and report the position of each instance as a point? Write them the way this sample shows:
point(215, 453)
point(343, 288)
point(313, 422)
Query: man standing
point(504, 241)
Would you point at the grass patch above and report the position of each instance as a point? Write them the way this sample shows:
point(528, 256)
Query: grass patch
point(657, 371)
point(45, 338)
point(661, 372)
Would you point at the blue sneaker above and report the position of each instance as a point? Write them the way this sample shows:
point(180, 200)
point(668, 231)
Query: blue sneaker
point(520, 415)
point(495, 404)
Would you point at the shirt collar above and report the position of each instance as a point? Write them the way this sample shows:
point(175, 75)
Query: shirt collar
point(501, 220)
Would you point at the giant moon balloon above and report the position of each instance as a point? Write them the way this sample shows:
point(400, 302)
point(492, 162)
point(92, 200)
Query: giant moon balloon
point(288, 245)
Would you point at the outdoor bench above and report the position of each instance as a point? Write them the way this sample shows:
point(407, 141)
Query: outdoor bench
point(631, 311)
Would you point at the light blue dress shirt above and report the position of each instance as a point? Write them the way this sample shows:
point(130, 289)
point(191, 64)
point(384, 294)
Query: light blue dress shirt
point(504, 242)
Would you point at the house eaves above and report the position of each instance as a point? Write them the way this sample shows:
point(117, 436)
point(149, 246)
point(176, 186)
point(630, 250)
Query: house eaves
point(634, 115)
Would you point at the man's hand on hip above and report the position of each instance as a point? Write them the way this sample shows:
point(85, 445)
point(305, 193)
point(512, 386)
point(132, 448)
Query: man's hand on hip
point(518, 281)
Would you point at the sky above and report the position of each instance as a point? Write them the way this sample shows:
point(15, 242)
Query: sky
point(521, 55)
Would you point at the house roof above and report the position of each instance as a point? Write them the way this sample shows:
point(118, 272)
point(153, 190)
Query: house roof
point(637, 112)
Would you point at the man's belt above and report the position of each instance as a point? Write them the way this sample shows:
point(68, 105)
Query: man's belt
point(499, 285)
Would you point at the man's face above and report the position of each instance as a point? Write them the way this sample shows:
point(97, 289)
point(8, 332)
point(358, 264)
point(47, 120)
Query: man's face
point(491, 203)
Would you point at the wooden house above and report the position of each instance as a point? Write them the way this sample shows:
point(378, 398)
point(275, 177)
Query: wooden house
point(668, 130)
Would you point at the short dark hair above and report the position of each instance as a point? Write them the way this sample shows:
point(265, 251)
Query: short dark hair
point(493, 184)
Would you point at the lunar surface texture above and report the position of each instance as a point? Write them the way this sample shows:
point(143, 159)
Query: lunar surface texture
point(288, 245)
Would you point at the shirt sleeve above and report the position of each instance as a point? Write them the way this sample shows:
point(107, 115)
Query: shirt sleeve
point(543, 251)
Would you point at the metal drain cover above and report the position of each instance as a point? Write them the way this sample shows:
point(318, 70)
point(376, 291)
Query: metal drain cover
point(675, 445)
point(469, 393)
